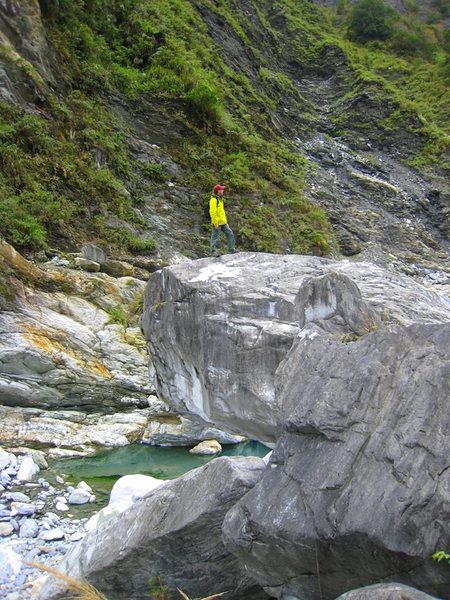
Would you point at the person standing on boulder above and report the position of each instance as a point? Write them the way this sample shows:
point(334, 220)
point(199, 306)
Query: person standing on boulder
point(219, 220)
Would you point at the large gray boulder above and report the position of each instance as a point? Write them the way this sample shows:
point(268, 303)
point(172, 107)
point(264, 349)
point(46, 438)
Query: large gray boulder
point(174, 533)
point(358, 487)
point(217, 330)
point(346, 368)
point(386, 591)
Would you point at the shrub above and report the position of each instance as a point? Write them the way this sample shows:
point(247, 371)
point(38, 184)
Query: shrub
point(371, 20)
point(411, 43)
point(441, 555)
point(117, 316)
point(205, 104)
point(19, 227)
point(142, 245)
point(154, 171)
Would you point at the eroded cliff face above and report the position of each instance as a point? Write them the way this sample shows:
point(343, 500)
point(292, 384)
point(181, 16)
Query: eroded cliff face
point(380, 207)
point(24, 41)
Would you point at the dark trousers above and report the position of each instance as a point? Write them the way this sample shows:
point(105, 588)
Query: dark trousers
point(229, 235)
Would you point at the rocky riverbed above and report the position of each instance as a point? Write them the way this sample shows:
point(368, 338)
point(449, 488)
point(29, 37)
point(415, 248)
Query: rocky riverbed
point(39, 519)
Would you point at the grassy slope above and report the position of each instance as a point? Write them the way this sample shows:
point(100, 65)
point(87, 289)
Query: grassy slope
point(174, 52)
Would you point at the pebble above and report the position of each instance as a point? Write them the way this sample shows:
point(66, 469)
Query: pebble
point(30, 530)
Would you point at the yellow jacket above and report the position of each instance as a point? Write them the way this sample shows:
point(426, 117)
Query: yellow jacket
point(217, 211)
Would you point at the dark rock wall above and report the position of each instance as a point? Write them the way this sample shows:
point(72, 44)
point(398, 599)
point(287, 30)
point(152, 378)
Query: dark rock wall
point(359, 482)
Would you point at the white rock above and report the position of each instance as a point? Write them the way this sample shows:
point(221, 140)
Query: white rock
point(104, 514)
point(61, 506)
point(29, 529)
point(52, 535)
point(84, 486)
point(10, 563)
point(266, 458)
point(5, 459)
point(22, 509)
point(6, 529)
point(27, 469)
point(79, 497)
point(130, 488)
point(207, 448)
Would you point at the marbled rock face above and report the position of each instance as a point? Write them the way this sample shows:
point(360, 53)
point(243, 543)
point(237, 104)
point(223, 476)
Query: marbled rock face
point(174, 533)
point(62, 348)
point(59, 350)
point(359, 481)
point(218, 330)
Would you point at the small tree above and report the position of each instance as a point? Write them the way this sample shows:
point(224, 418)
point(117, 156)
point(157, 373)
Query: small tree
point(371, 20)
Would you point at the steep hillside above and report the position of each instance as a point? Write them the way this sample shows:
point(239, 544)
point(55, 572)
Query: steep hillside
point(117, 117)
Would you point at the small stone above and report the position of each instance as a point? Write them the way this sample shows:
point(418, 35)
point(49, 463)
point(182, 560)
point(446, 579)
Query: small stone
point(52, 536)
point(6, 529)
point(84, 486)
point(5, 480)
point(29, 529)
point(79, 497)
point(52, 517)
point(207, 447)
point(23, 510)
point(59, 479)
point(18, 497)
point(77, 536)
point(5, 459)
point(61, 506)
point(27, 469)
point(29, 556)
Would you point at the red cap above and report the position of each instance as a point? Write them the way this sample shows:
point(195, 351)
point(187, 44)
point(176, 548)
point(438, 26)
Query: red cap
point(218, 188)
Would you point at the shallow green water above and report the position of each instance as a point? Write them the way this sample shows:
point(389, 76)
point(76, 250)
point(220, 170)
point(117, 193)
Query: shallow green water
point(102, 470)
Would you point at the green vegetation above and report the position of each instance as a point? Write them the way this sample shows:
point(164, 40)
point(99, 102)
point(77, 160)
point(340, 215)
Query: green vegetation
point(408, 63)
point(371, 20)
point(118, 316)
point(68, 173)
point(441, 555)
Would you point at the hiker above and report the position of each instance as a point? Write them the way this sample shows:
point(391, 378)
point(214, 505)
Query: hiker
point(219, 220)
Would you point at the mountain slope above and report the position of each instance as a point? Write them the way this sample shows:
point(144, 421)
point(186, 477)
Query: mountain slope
point(123, 114)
